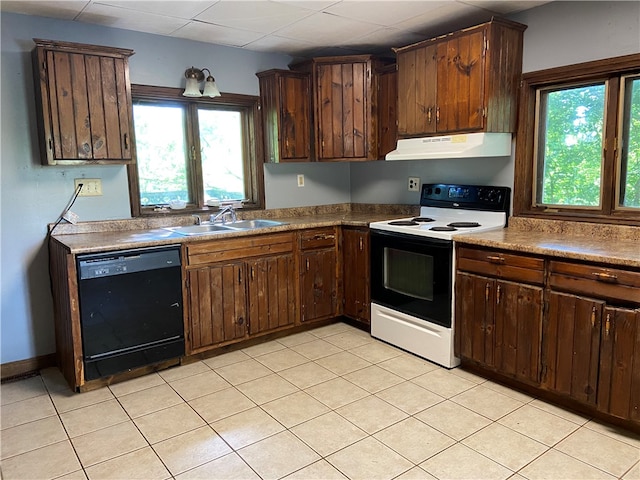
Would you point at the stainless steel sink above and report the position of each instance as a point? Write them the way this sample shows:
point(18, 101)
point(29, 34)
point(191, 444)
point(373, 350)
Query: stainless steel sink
point(208, 228)
point(201, 229)
point(257, 223)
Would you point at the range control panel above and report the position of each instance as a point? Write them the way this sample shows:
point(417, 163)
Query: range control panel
point(471, 197)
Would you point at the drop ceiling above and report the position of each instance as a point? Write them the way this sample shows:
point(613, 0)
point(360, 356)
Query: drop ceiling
point(300, 28)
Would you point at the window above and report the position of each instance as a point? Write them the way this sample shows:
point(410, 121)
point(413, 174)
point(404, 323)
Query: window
point(194, 150)
point(578, 142)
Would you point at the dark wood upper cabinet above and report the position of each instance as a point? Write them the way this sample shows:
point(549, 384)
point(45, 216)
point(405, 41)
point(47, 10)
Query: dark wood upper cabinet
point(345, 106)
point(285, 97)
point(466, 81)
point(387, 79)
point(83, 100)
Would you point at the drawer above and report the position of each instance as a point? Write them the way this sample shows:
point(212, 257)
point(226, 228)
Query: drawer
point(200, 253)
point(503, 265)
point(595, 281)
point(317, 238)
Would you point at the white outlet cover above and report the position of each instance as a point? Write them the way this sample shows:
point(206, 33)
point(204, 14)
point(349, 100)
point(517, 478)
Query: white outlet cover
point(301, 180)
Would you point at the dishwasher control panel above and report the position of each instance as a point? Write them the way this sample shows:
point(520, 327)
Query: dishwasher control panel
point(126, 261)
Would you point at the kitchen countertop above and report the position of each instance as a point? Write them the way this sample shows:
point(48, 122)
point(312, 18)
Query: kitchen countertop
point(121, 238)
point(568, 240)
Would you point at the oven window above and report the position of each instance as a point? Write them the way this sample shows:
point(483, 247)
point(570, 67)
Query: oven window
point(408, 273)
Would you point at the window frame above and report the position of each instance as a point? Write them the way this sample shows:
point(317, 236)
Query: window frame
point(610, 71)
point(253, 146)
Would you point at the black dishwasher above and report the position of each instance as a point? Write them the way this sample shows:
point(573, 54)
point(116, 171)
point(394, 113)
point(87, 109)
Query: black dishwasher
point(130, 309)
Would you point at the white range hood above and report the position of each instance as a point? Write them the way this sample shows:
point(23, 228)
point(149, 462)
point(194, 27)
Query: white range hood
point(468, 145)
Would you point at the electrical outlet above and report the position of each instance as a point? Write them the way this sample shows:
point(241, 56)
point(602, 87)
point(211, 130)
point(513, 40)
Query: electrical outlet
point(414, 184)
point(301, 180)
point(91, 187)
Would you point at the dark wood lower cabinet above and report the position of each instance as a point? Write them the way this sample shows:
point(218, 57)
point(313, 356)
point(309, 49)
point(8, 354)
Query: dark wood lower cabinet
point(271, 292)
point(572, 336)
point(355, 274)
point(572, 346)
point(318, 284)
point(619, 379)
point(217, 305)
point(500, 324)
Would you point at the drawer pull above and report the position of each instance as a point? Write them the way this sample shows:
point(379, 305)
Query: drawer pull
point(495, 259)
point(605, 277)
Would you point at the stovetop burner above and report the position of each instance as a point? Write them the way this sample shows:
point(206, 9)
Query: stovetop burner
point(463, 224)
point(423, 219)
point(443, 229)
point(403, 223)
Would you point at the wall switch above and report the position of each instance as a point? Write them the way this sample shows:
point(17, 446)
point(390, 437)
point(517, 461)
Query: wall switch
point(301, 180)
point(414, 184)
point(91, 187)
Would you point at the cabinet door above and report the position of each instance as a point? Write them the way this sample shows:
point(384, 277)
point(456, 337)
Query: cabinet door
point(272, 295)
point(295, 118)
point(342, 106)
point(286, 115)
point(86, 107)
point(460, 63)
point(619, 380)
point(571, 334)
point(475, 303)
point(217, 305)
point(355, 270)
point(318, 286)
point(387, 112)
point(518, 330)
point(417, 84)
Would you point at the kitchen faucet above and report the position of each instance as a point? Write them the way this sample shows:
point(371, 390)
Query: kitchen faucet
point(220, 216)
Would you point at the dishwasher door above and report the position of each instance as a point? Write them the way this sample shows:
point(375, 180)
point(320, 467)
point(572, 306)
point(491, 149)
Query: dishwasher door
point(130, 309)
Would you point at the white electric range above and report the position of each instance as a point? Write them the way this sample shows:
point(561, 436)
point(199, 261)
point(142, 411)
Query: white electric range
point(412, 266)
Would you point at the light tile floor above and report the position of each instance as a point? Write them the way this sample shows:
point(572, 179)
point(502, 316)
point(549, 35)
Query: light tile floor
point(331, 403)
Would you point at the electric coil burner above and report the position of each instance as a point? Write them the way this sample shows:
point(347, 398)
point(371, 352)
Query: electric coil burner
point(412, 266)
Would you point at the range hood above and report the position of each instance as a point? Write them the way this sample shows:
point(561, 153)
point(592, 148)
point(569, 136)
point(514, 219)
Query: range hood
point(469, 145)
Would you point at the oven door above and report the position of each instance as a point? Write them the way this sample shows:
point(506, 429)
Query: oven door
point(412, 274)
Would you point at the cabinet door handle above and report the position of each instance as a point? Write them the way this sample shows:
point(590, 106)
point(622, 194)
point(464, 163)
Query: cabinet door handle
point(126, 141)
point(498, 295)
point(486, 292)
point(252, 273)
point(307, 264)
point(495, 259)
point(239, 276)
point(429, 115)
point(593, 317)
point(360, 244)
point(438, 115)
point(607, 325)
point(605, 277)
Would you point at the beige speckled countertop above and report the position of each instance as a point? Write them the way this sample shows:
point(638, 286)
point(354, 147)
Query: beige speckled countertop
point(586, 242)
point(125, 234)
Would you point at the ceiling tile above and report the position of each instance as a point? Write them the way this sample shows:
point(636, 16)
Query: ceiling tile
point(501, 7)
point(384, 13)
point(440, 20)
point(315, 5)
point(257, 16)
point(325, 29)
point(273, 43)
point(186, 9)
point(65, 10)
point(121, 18)
point(205, 32)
